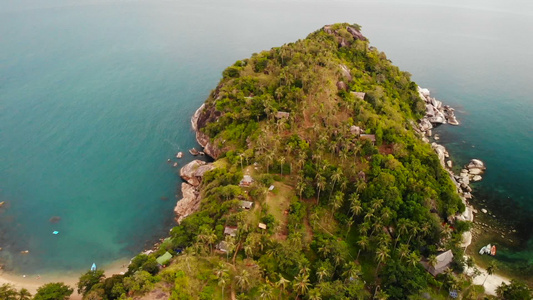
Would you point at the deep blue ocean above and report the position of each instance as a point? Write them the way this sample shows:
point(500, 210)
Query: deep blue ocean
point(95, 96)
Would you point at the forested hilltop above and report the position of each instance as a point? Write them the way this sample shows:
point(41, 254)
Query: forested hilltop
point(321, 188)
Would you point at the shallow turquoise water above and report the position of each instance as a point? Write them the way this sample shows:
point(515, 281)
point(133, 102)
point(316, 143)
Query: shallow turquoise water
point(96, 95)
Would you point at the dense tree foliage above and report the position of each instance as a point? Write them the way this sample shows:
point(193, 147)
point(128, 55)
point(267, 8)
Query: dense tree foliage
point(9, 292)
point(514, 291)
point(53, 291)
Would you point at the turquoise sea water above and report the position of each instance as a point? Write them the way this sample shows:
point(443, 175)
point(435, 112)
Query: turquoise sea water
point(96, 95)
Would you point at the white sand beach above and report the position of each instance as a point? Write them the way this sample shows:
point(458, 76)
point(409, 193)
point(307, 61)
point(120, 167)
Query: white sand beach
point(491, 284)
point(33, 282)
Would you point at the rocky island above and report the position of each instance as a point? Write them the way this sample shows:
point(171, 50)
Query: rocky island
point(326, 186)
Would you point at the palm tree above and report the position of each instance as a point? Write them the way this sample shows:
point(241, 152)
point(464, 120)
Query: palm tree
point(447, 274)
point(281, 162)
point(382, 254)
point(222, 274)
point(243, 280)
point(230, 245)
point(269, 159)
point(265, 292)
point(355, 205)
point(350, 223)
point(490, 270)
point(248, 250)
point(320, 184)
point(363, 228)
point(281, 284)
point(24, 294)
point(337, 175)
point(8, 292)
point(337, 201)
point(363, 244)
point(376, 226)
point(432, 260)
point(300, 187)
point(413, 259)
point(381, 295)
point(403, 251)
point(353, 272)
point(414, 231)
point(377, 203)
point(401, 228)
point(314, 294)
point(301, 284)
point(322, 273)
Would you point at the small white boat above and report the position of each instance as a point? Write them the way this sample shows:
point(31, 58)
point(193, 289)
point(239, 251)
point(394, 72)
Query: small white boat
point(485, 250)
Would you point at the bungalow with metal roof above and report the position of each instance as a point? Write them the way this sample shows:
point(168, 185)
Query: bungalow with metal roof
point(231, 231)
point(246, 204)
point(369, 137)
point(222, 246)
point(246, 180)
point(443, 262)
point(282, 115)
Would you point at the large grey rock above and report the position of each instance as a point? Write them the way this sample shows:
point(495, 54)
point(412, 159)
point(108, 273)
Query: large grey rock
point(475, 171)
point(425, 125)
point(200, 119)
point(193, 171)
point(187, 205)
point(346, 72)
point(466, 239)
point(476, 163)
point(477, 178)
point(441, 153)
point(212, 150)
point(356, 33)
point(438, 118)
point(449, 164)
point(423, 92)
point(341, 85)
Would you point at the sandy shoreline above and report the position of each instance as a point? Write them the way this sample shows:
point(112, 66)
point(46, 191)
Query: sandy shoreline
point(33, 282)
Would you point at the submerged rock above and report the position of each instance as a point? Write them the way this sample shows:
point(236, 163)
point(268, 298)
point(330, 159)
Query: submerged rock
point(55, 219)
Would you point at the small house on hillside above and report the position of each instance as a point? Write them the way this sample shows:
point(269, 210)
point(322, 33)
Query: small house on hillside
point(246, 180)
point(262, 226)
point(164, 259)
point(246, 204)
point(443, 262)
point(231, 231)
point(282, 115)
point(222, 246)
point(369, 137)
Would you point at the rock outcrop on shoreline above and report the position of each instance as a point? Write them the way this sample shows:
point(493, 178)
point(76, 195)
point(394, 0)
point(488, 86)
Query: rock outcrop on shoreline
point(437, 113)
point(192, 173)
point(199, 120)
